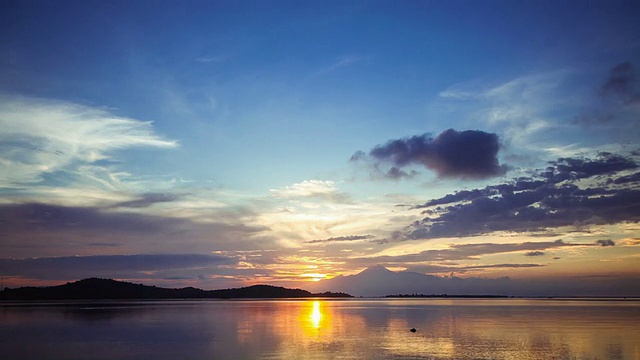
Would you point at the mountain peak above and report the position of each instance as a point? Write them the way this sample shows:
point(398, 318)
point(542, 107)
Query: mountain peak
point(376, 270)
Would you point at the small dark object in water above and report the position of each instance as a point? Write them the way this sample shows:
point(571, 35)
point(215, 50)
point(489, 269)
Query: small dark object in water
point(413, 330)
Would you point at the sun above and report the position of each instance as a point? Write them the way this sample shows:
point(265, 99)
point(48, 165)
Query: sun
point(315, 276)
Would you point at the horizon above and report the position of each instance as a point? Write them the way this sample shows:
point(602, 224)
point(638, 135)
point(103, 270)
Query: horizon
point(226, 144)
point(479, 292)
point(409, 295)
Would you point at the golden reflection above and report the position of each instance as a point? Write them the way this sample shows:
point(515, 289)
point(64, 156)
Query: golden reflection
point(316, 314)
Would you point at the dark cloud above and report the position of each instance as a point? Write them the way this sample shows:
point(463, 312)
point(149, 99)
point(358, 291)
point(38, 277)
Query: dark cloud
point(622, 84)
point(432, 269)
point(458, 196)
point(606, 242)
point(466, 154)
point(457, 252)
point(340, 239)
point(115, 266)
point(35, 229)
point(534, 253)
point(358, 155)
point(626, 179)
point(574, 168)
point(36, 216)
point(615, 108)
point(552, 199)
point(491, 248)
point(397, 173)
point(105, 244)
point(502, 266)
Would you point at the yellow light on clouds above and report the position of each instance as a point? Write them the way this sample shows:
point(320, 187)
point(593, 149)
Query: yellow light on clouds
point(315, 276)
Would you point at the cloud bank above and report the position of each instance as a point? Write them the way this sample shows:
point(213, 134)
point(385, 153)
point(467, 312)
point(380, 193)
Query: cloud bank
point(570, 192)
point(37, 230)
point(114, 266)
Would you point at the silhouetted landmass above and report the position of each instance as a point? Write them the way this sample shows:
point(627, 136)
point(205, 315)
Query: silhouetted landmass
point(95, 288)
point(260, 291)
point(446, 296)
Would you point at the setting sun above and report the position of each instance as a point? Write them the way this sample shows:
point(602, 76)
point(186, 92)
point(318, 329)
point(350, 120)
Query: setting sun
point(315, 276)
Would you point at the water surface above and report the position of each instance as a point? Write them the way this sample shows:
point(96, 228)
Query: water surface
point(323, 329)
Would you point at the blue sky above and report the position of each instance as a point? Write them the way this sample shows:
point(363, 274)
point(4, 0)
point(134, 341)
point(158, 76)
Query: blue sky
point(245, 130)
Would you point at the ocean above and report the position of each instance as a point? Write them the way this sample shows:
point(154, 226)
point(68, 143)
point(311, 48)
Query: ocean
point(323, 329)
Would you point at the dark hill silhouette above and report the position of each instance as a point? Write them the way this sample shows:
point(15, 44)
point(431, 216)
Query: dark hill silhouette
point(95, 288)
point(260, 291)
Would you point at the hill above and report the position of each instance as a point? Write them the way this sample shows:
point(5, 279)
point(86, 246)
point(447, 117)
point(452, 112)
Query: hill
point(379, 281)
point(95, 288)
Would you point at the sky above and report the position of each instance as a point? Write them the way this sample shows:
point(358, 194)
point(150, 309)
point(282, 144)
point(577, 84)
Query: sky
point(227, 143)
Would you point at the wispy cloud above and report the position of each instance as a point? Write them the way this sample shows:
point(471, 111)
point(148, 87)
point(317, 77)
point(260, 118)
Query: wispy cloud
point(40, 137)
point(318, 189)
point(341, 62)
point(212, 58)
point(341, 239)
point(544, 111)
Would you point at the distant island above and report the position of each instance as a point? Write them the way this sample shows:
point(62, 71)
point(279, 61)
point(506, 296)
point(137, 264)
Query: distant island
point(447, 296)
point(108, 289)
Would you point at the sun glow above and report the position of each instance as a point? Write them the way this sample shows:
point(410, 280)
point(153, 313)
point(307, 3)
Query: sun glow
point(315, 276)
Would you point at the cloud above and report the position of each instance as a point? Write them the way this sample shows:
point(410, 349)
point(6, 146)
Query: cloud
point(576, 168)
point(554, 111)
point(318, 189)
point(457, 252)
point(606, 242)
point(468, 154)
point(341, 239)
point(633, 178)
point(35, 229)
point(523, 109)
point(40, 137)
point(115, 266)
point(341, 62)
point(146, 200)
point(556, 197)
point(534, 253)
point(622, 84)
point(461, 269)
point(617, 104)
point(397, 173)
point(212, 58)
point(22, 218)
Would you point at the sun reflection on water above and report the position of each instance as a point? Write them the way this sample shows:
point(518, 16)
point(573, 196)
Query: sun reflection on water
point(316, 315)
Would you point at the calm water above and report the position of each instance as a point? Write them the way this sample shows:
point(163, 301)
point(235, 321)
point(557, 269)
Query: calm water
point(333, 329)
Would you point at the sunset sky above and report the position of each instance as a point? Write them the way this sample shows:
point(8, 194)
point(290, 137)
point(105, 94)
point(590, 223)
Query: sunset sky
point(225, 143)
